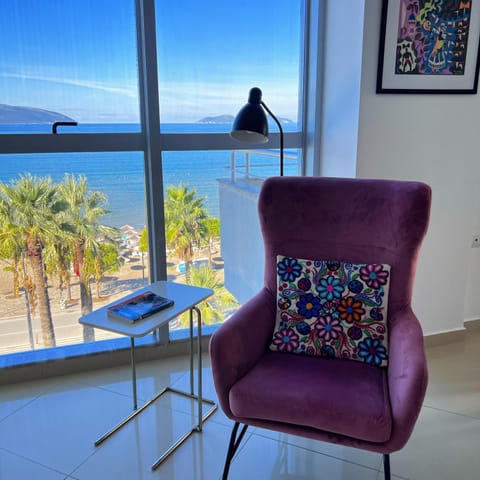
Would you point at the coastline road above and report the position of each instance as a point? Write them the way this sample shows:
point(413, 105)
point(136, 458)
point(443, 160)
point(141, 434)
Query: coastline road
point(14, 332)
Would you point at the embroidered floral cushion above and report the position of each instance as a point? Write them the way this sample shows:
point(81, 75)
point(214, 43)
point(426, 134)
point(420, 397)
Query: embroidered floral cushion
point(332, 309)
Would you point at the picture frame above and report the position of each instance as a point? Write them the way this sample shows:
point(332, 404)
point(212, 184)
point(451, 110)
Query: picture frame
point(429, 47)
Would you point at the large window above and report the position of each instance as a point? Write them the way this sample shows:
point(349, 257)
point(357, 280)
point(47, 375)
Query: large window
point(68, 60)
point(211, 53)
point(154, 86)
point(79, 217)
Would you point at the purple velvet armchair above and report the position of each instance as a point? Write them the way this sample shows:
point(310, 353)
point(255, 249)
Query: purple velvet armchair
point(333, 400)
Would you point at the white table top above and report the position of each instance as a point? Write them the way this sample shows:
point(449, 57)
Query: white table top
point(184, 296)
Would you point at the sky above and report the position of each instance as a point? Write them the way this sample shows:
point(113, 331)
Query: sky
point(78, 57)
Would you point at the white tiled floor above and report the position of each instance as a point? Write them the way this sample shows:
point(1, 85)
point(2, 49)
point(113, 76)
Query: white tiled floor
point(47, 430)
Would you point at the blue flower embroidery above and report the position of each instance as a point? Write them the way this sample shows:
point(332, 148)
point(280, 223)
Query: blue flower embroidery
point(333, 265)
point(330, 288)
point(355, 286)
point(327, 351)
point(303, 328)
point(376, 314)
point(309, 306)
point(289, 269)
point(372, 351)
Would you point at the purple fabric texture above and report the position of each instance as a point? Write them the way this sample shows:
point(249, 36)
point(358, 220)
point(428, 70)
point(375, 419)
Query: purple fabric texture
point(353, 220)
point(338, 397)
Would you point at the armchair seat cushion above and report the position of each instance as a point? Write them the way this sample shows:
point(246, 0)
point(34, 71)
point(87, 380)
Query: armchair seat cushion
point(338, 396)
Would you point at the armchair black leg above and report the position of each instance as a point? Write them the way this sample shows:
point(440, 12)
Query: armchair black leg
point(386, 465)
point(233, 447)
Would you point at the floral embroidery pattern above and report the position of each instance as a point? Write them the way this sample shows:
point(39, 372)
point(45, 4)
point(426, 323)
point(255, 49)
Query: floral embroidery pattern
point(286, 340)
point(330, 288)
point(374, 275)
point(328, 328)
point(309, 306)
point(289, 269)
point(372, 351)
point(350, 309)
point(332, 309)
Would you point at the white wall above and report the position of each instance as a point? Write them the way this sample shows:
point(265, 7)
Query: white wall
point(341, 87)
point(435, 139)
point(242, 243)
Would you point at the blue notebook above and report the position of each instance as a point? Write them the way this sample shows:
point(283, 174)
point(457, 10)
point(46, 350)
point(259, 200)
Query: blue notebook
point(139, 307)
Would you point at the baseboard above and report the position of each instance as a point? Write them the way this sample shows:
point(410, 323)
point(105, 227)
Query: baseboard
point(444, 338)
point(452, 336)
point(473, 324)
point(89, 360)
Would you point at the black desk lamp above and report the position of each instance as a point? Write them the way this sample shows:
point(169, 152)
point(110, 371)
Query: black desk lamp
point(250, 124)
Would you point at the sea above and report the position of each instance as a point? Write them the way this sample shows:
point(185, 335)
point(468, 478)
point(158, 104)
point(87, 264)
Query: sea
point(120, 175)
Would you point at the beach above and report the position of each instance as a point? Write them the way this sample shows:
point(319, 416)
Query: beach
point(14, 335)
point(113, 286)
point(120, 176)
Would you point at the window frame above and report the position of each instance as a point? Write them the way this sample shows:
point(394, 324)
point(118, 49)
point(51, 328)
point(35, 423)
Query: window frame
point(152, 142)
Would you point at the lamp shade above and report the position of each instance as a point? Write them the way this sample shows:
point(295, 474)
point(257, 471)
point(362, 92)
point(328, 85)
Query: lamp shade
point(250, 124)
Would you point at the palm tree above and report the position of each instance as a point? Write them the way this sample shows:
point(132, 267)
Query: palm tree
point(30, 205)
point(185, 216)
point(143, 248)
point(213, 233)
point(214, 308)
point(84, 211)
point(11, 252)
point(104, 259)
point(58, 259)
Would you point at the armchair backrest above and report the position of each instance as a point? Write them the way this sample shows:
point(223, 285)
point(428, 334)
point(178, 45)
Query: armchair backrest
point(350, 220)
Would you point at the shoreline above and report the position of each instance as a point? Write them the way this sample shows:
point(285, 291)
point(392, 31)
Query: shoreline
point(112, 287)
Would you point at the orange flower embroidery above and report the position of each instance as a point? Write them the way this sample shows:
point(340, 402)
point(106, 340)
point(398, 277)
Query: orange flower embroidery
point(350, 309)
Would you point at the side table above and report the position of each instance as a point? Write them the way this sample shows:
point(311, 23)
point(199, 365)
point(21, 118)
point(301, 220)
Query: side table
point(186, 297)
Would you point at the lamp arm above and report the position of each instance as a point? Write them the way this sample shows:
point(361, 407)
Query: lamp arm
point(281, 135)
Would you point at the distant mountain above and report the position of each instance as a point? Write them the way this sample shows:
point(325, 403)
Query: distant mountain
point(285, 121)
point(13, 114)
point(230, 118)
point(217, 119)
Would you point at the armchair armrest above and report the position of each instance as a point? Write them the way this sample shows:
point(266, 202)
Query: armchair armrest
point(240, 342)
point(407, 375)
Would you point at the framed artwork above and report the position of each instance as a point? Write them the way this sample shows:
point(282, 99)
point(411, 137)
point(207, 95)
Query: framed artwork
point(429, 46)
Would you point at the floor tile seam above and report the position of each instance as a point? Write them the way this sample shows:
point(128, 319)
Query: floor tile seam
point(21, 407)
point(243, 444)
point(72, 472)
point(378, 469)
point(222, 423)
point(206, 406)
point(35, 462)
point(140, 366)
point(187, 374)
point(193, 416)
point(120, 394)
point(394, 475)
point(127, 379)
point(140, 399)
point(431, 407)
point(71, 384)
point(155, 393)
point(84, 383)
